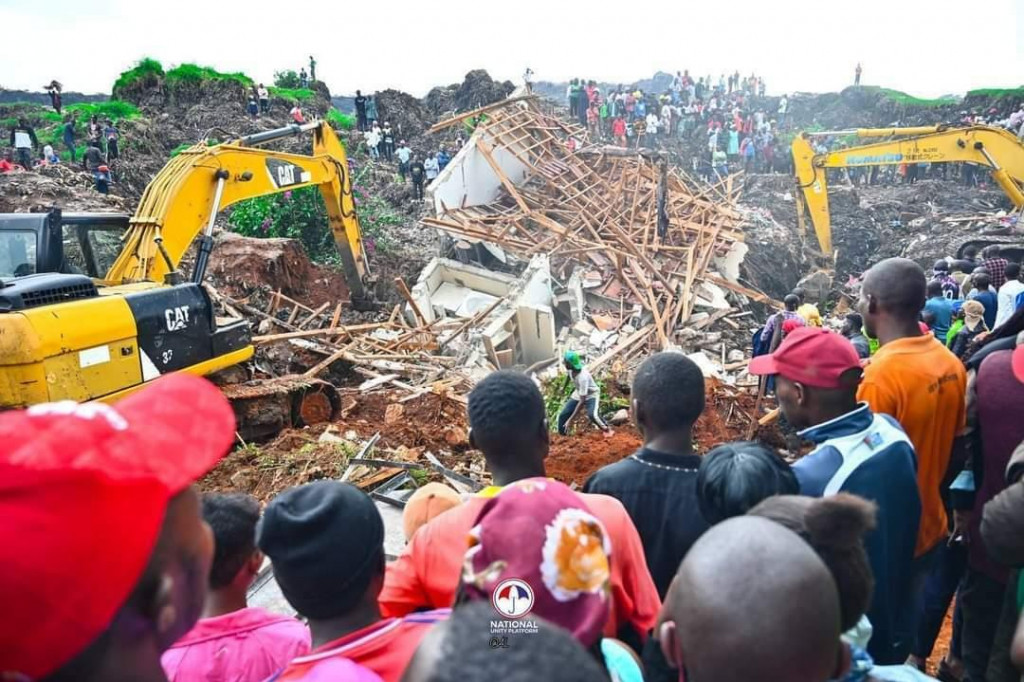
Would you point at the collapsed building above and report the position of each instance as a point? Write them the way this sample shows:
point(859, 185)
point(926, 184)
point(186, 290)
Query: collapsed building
point(636, 247)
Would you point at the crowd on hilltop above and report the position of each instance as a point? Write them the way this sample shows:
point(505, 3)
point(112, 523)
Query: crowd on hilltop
point(739, 129)
point(728, 565)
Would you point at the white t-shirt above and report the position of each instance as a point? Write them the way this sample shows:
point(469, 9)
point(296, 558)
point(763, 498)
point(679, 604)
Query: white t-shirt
point(262, 93)
point(1006, 297)
point(585, 385)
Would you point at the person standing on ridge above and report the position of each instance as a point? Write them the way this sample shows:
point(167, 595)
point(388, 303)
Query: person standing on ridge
point(586, 391)
point(360, 111)
point(264, 96)
point(856, 74)
point(312, 69)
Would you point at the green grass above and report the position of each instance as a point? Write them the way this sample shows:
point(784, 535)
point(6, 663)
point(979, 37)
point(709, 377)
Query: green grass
point(340, 120)
point(997, 92)
point(300, 94)
point(909, 100)
point(144, 68)
point(115, 110)
point(192, 73)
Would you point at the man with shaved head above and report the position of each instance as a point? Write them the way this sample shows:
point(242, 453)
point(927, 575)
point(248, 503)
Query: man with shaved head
point(919, 382)
point(752, 601)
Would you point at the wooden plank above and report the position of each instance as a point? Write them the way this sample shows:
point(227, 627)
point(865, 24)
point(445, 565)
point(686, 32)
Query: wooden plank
point(476, 319)
point(633, 340)
point(407, 295)
point(479, 110)
point(316, 313)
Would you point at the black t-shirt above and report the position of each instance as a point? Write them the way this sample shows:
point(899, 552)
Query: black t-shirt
point(416, 170)
point(659, 491)
point(361, 104)
point(388, 136)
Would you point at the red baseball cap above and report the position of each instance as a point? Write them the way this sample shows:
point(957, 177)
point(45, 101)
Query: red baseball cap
point(83, 492)
point(810, 356)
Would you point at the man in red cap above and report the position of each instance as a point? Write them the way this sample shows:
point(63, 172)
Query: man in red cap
point(104, 552)
point(817, 373)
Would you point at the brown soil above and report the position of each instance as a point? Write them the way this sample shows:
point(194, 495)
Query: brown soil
point(573, 459)
point(239, 265)
point(941, 647)
point(437, 424)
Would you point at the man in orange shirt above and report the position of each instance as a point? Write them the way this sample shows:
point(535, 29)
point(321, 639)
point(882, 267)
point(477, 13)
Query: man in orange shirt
point(507, 420)
point(915, 379)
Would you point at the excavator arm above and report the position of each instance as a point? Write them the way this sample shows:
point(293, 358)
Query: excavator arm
point(183, 200)
point(993, 148)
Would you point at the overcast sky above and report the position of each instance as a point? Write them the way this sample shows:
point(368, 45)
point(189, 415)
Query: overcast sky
point(927, 48)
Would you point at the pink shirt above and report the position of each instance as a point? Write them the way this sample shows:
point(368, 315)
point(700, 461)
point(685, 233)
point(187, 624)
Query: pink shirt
point(250, 644)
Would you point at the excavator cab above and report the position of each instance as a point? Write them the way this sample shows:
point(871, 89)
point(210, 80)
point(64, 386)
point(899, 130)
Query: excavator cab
point(56, 242)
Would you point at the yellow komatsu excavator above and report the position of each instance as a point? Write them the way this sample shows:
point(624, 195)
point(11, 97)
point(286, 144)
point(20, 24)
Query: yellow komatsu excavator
point(995, 149)
point(92, 306)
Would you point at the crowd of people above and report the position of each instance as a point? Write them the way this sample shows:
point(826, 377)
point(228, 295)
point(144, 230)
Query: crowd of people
point(669, 564)
point(26, 152)
point(738, 126)
point(380, 145)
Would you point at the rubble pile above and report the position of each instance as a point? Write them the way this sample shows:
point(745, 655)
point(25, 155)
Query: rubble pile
point(929, 219)
point(60, 185)
point(639, 238)
point(476, 90)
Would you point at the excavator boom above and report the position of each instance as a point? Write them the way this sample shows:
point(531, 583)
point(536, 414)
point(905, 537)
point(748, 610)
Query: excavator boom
point(993, 148)
point(183, 200)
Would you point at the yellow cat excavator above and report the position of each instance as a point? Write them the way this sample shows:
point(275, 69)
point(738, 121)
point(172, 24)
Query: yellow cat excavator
point(995, 149)
point(92, 306)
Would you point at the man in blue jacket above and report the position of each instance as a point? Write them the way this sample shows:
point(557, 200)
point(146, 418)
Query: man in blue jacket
point(859, 452)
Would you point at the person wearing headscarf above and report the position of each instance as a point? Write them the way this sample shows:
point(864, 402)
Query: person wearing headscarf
point(536, 549)
point(974, 325)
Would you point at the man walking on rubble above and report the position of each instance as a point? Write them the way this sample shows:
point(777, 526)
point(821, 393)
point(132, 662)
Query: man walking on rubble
point(23, 139)
point(586, 391)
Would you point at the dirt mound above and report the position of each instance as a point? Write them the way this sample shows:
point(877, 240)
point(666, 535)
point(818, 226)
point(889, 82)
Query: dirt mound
point(924, 221)
point(63, 186)
point(572, 459)
point(240, 265)
point(476, 90)
point(407, 115)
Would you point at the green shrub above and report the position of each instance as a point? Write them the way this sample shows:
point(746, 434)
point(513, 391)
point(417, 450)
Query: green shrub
point(194, 74)
point(909, 100)
point(144, 68)
point(114, 109)
point(297, 214)
point(293, 94)
point(340, 120)
point(301, 214)
point(179, 149)
point(997, 92)
point(287, 79)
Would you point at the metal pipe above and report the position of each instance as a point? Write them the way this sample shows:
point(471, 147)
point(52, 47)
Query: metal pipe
point(278, 133)
point(222, 176)
point(206, 240)
point(878, 132)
